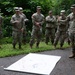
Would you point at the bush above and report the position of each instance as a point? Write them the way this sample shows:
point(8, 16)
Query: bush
point(6, 40)
point(7, 27)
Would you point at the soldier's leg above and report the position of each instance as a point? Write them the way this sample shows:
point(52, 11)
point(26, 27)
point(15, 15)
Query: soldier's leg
point(38, 37)
point(20, 37)
point(62, 39)
point(14, 35)
point(57, 36)
point(68, 40)
point(32, 40)
point(73, 50)
point(52, 35)
point(47, 36)
point(24, 37)
point(72, 37)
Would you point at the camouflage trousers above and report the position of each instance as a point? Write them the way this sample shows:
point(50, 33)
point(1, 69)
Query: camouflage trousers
point(36, 34)
point(72, 39)
point(50, 34)
point(24, 37)
point(17, 37)
point(60, 35)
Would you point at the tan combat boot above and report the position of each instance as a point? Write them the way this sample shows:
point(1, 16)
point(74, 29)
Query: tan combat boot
point(73, 55)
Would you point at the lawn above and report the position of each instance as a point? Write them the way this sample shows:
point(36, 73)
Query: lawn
point(7, 49)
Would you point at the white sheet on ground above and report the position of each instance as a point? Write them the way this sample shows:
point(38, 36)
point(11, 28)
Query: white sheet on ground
point(35, 63)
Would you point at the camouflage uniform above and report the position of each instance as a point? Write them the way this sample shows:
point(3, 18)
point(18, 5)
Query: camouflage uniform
point(25, 20)
point(71, 30)
point(71, 18)
point(18, 25)
point(61, 31)
point(50, 28)
point(36, 30)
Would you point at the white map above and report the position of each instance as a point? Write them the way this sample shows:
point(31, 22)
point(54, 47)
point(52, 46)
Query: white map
point(35, 63)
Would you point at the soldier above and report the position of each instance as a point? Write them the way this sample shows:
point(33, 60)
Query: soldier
point(50, 27)
point(1, 21)
point(26, 20)
point(18, 26)
point(61, 30)
point(37, 20)
point(71, 18)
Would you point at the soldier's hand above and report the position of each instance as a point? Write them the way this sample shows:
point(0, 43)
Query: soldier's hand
point(58, 19)
point(17, 22)
point(26, 20)
point(38, 24)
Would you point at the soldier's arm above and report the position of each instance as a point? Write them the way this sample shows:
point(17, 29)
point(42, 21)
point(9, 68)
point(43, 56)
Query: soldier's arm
point(62, 22)
point(34, 21)
point(43, 20)
point(25, 18)
point(49, 20)
point(66, 20)
point(59, 20)
point(54, 19)
point(12, 21)
point(23, 25)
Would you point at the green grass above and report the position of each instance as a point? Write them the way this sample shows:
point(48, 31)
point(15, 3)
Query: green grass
point(7, 49)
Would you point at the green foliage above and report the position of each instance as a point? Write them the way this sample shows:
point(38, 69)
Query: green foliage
point(6, 40)
point(45, 4)
point(7, 7)
point(7, 27)
point(62, 4)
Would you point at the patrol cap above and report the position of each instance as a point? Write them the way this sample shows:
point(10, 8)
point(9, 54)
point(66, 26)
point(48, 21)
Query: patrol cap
point(38, 7)
point(62, 11)
point(20, 8)
point(16, 9)
point(73, 6)
point(50, 11)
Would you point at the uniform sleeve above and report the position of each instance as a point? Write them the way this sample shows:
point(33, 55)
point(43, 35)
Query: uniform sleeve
point(50, 20)
point(54, 19)
point(59, 21)
point(42, 22)
point(47, 19)
point(25, 18)
point(66, 20)
point(33, 19)
point(23, 23)
point(12, 21)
